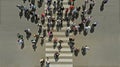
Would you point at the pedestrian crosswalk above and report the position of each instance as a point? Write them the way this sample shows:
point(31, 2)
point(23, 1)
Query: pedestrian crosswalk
point(65, 57)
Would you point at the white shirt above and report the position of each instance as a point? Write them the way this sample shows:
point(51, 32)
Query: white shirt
point(87, 48)
point(20, 41)
point(88, 27)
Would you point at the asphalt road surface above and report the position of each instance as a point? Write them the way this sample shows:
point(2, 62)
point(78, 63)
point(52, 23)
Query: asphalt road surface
point(104, 43)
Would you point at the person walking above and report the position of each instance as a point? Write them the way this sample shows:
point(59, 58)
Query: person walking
point(60, 46)
point(28, 33)
point(56, 56)
point(42, 61)
point(93, 27)
point(50, 35)
point(84, 50)
point(47, 62)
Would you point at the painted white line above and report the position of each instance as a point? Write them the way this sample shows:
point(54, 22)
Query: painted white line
point(52, 49)
point(61, 60)
point(59, 38)
point(61, 65)
point(61, 54)
point(63, 44)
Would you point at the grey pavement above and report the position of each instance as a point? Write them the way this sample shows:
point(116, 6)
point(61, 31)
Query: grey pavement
point(10, 53)
point(104, 43)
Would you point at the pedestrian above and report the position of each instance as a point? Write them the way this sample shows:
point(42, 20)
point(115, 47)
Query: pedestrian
point(21, 42)
point(56, 56)
point(40, 29)
point(55, 40)
point(66, 12)
point(76, 51)
point(50, 35)
point(82, 16)
point(84, 50)
point(93, 27)
point(71, 43)
point(53, 20)
point(58, 25)
point(67, 32)
point(44, 32)
point(36, 38)
point(28, 33)
point(84, 6)
point(88, 20)
point(87, 48)
point(75, 30)
point(81, 27)
point(92, 4)
point(42, 41)
point(85, 32)
point(42, 61)
point(47, 62)
point(60, 46)
point(78, 8)
point(19, 36)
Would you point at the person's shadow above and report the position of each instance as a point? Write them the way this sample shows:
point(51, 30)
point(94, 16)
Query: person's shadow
point(85, 33)
point(34, 47)
point(92, 30)
point(20, 14)
point(42, 41)
point(39, 4)
point(28, 35)
point(22, 46)
point(56, 58)
point(76, 53)
point(89, 11)
point(32, 19)
point(102, 7)
point(54, 45)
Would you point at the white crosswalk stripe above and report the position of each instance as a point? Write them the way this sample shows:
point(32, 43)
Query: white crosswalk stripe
point(60, 38)
point(65, 57)
point(61, 54)
point(63, 49)
point(61, 60)
point(63, 44)
point(61, 65)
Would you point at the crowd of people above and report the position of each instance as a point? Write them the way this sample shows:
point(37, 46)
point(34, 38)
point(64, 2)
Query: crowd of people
point(55, 18)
